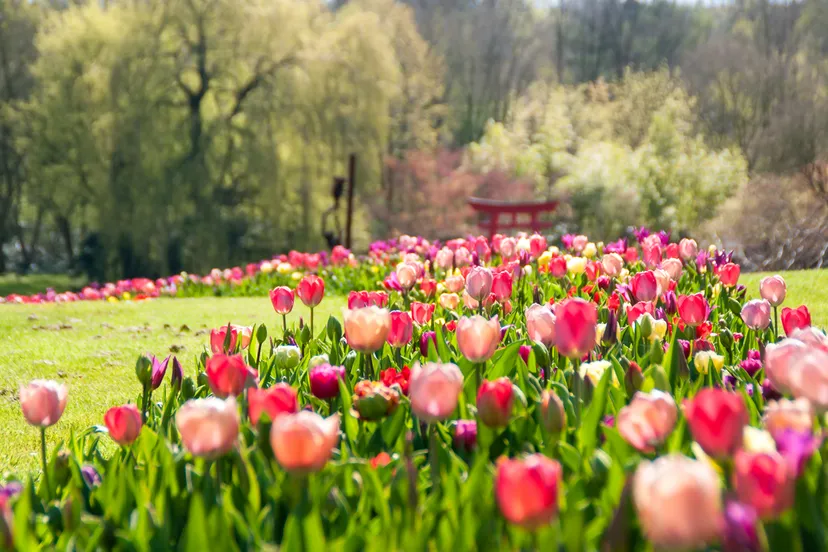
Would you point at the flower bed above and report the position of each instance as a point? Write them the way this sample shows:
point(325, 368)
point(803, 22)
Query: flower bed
point(491, 396)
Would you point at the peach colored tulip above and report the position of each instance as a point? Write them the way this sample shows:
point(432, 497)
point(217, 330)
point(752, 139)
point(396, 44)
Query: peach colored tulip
point(575, 321)
point(303, 442)
point(679, 502)
point(540, 324)
point(662, 281)
point(764, 481)
point(434, 389)
point(579, 242)
point(646, 422)
point(478, 338)
point(406, 275)
point(688, 249)
point(612, 264)
point(208, 427)
point(773, 289)
point(469, 302)
point(455, 284)
point(756, 314)
point(449, 301)
point(809, 378)
point(527, 490)
point(672, 267)
point(366, 329)
point(780, 361)
point(43, 402)
point(784, 414)
point(124, 423)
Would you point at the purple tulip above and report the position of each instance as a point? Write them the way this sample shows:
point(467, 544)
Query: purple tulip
point(641, 233)
point(324, 380)
point(740, 528)
point(159, 370)
point(91, 475)
point(524, 353)
point(769, 392)
point(753, 363)
point(177, 374)
point(424, 339)
point(465, 435)
point(796, 447)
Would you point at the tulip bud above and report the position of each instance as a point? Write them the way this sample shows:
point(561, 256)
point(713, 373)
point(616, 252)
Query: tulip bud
point(188, 388)
point(645, 325)
point(610, 335)
point(425, 338)
point(143, 370)
point(494, 402)
point(553, 412)
point(318, 360)
point(177, 374)
point(374, 400)
point(287, 356)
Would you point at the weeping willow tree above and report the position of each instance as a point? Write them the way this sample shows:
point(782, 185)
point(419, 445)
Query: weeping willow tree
point(195, 133)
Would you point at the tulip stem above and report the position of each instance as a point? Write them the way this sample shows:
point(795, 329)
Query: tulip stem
point(434, 460)
point(145, 402)
point(311, 323)
point(775, 324)
point(369, 369)
point(45, 463)
point(284, 326)
point(218, 481)
point(478, 376)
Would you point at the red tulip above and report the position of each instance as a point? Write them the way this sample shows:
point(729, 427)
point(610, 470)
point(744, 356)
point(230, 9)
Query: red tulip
point(716, 419)
point(729, 274)
point(228, 375)
point(276, 400)
point(282, 299)
point(219, 336)
point(793, 319)
point(644, 286)
point(672, 251)
point(693, 309)
point(644, 307)
point(310, 290)
point(124, 423)
point(537, 245)
point(422, 312)
point(575, 321)
point(502, 285)
point(527, 490)
point(393, 376)
point(428, 287)
point(494, 402)
point(763, 481)
point(402, 329)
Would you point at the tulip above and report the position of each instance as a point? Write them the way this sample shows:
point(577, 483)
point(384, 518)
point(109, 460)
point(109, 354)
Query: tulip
point(729, 274)
point(646, 422)
point(399, 377)
point(673, 268)
point(287, 356)
point(780, 361)
point(575, 321)
point(43, 402)
point(678, 501)
point(756, 314)
point(794, 319)
point(218, 338)
point(809, 378)
point(303, 442)
point(639, 309)
point(402, 329)
point(692, 309)
point(282, 299)
point(716, 419)
point(406, 275)
point(455, 284)
point(740, 531)
point(228, 375)
point(311, 290)
point(434, 389)
point(277, 400)
point(324, 380)
point(478, 338)
point(576, 265)
point(422, 312)
point(594, 371)
point(208, 427)
point(812, 337)
point(773, 289)
point(449, 301)
point(479, 283)
point(176, 375)
point(373, 400)
point(763, 481)
point(425, 338)
point(494, 402)
point(644, 286)
point(612, 264)
point(465, 435)
point(508, 248)
point(784, 414)
point(428, 286)
point(703, 360)
point(797, 447)
point(527, 490)
point(366, 329)
point(558, 266)
point(579, 242)
point(540, 324)
point(124, 423)
point(553, 413)
point(444, 258)
point(537, 245)
point(688, 249)
point(159, 370)
point(662, 281)
point(502, 285)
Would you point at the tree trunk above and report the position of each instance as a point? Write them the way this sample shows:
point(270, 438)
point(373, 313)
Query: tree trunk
point(65, 230)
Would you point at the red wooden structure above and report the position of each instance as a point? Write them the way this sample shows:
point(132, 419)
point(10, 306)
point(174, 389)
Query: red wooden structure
point(491, 210)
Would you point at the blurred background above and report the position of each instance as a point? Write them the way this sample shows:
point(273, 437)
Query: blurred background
point(146, 137)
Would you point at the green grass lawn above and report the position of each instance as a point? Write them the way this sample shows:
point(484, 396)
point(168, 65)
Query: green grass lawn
point(92, 347)
point(805, 287)
point(37, 283)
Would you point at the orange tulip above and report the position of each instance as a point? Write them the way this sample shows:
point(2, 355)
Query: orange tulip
point(303, 442)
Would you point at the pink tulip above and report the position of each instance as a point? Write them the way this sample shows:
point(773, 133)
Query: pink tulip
point(311, 290)
point(228, 375)
point(494, 402)
point(422, 312)
point(455, 284)
point(449, 301)
point(639, 309)
point(575, 321)
point(787, 415)
point(324, 380)
point(508, 248)
point(579, 242)
point(444, 259)
point(527, 490)
point(811, 337)
point(479, 282)
point(406, 275)
point(651, 254)
point(644, 286)
point(679, 502)
point(763, 481)
point(717, 419)
point(218, 338)
point(756, 314)
point(304, 442)
point(808, 378)
point(124, 423)
point(612, 264)
point(282, 299)
point(208, 427)
point(434, 389)
point(673, 268)
point(275, 401)
point(401, 330)
point(662, 281)
point(366, 329)
point(729, 274)
point(693, 309)
point(773, 289)
point(43, 402)
point(537, 245)
point(478, 338)
point(540, 324)
point(780, 361)
point(502, 285)
point(688, 249)
point(794, 319)
point(646, 422)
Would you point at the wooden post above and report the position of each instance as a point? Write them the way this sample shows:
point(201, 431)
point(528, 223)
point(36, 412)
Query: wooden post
point(350, 208)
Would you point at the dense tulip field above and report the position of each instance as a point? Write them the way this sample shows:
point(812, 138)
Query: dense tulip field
point(502, 395)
